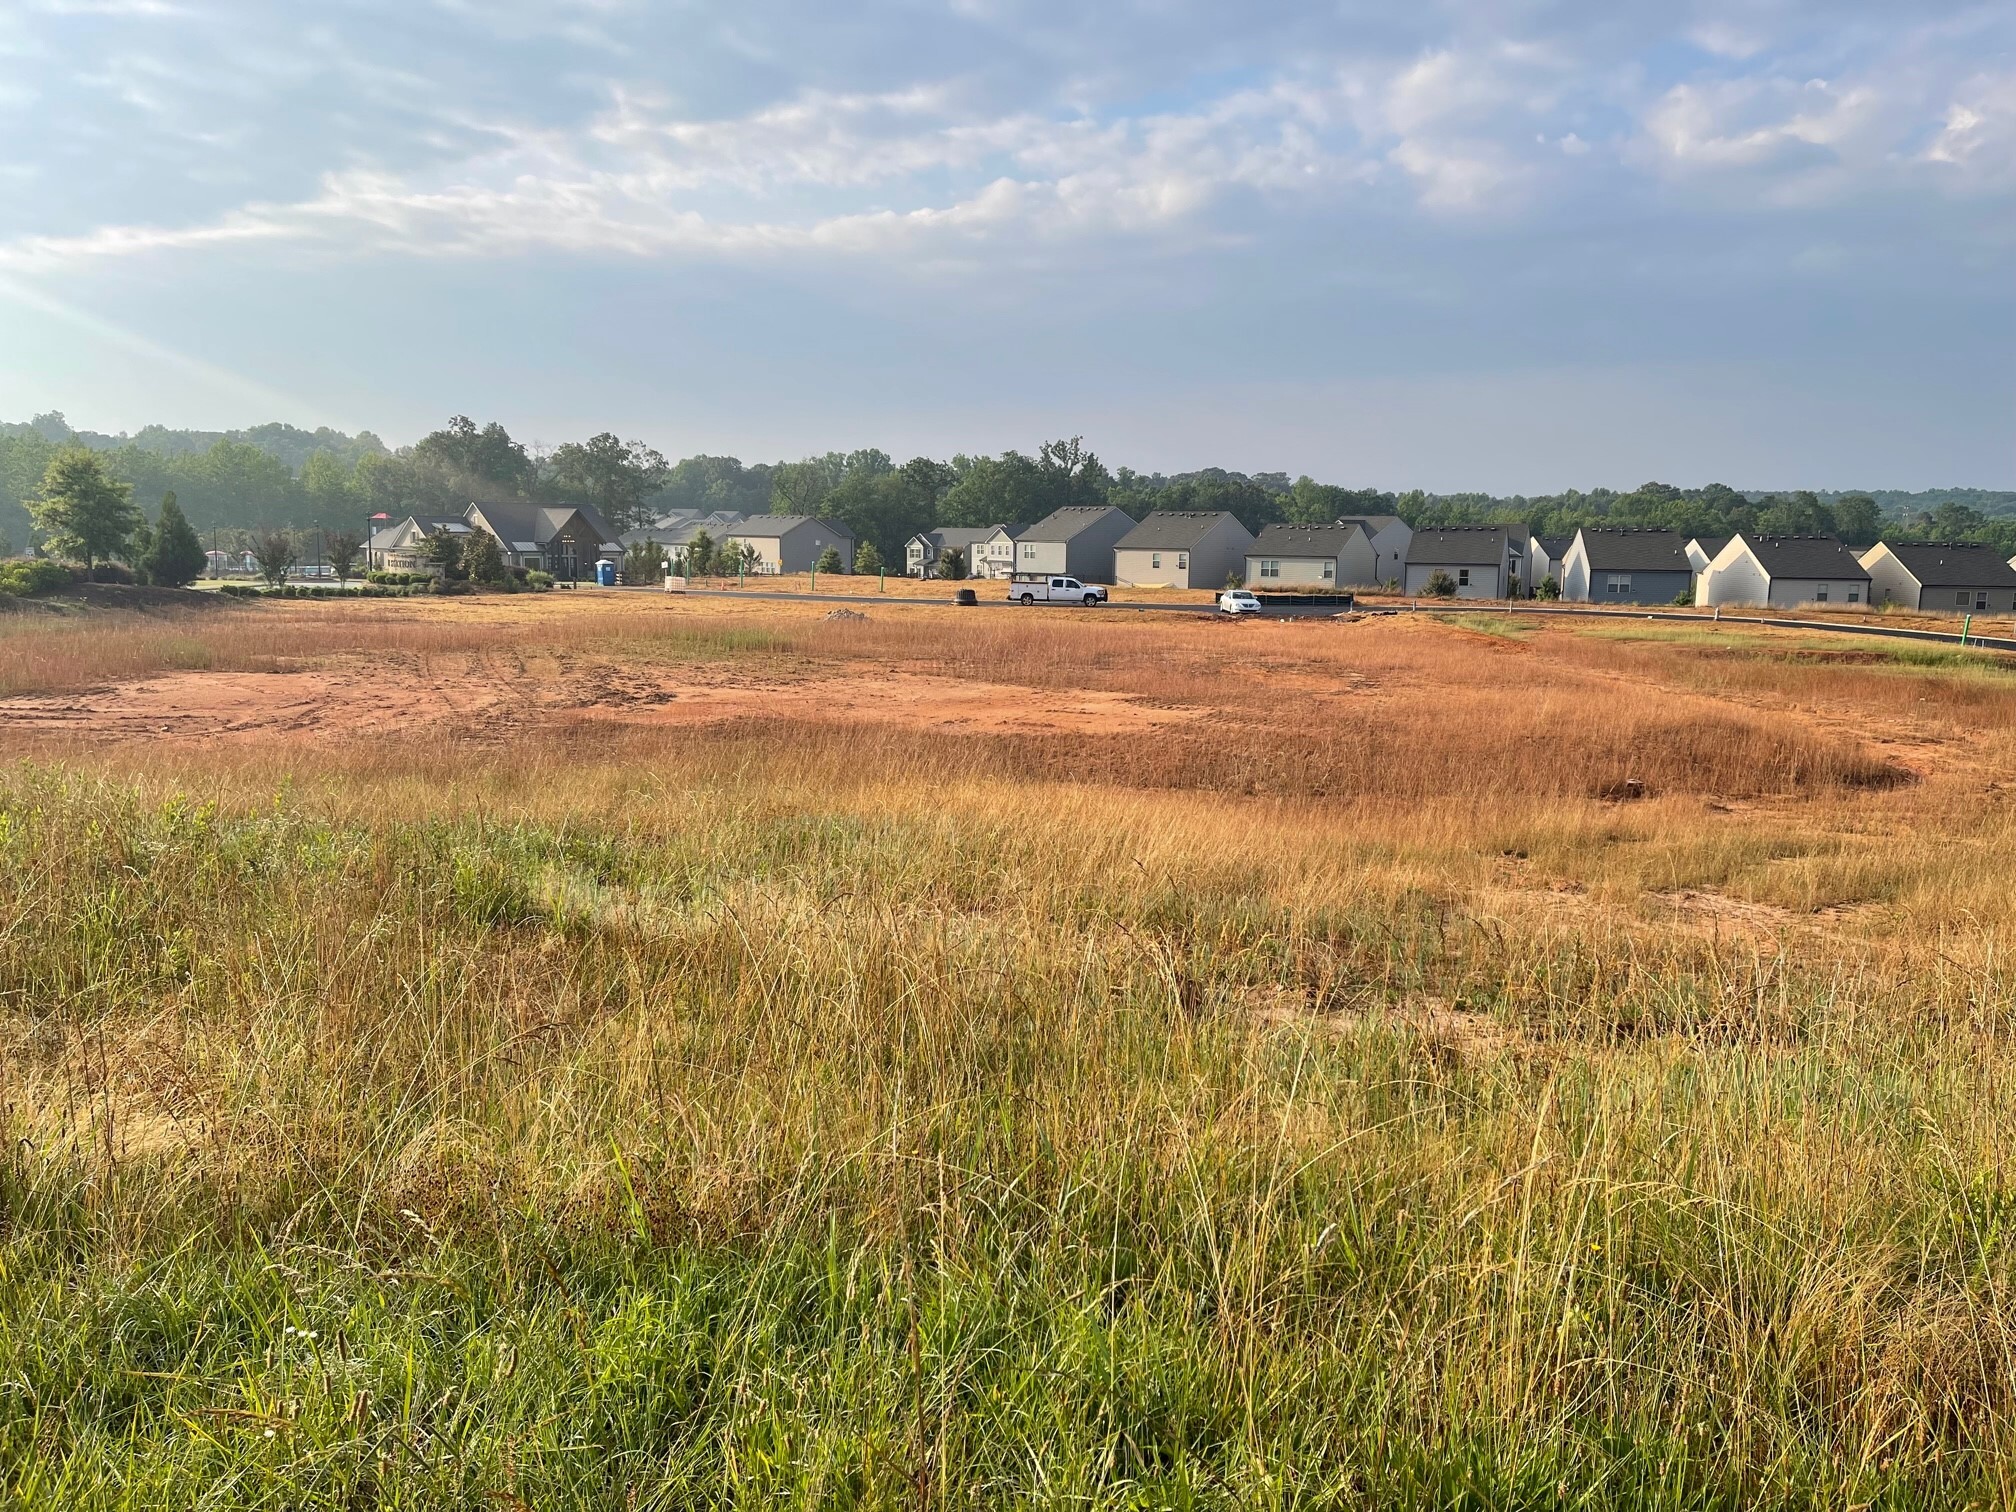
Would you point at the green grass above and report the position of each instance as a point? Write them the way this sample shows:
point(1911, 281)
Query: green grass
point(788, 1155)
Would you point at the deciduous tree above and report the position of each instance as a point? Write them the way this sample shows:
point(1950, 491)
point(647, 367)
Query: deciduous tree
point(84, 512)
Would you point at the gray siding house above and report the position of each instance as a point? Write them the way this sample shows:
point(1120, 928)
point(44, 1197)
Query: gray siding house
point(924, 551)
point(1948, 576)
point(564, 540)
point(1182, 549)
point(1077, 540)
point(1484, 561)
point(1320, 557)
point(1782, 572)
point(1390, 538)
point(1627, 567)
point(994, 557)
point(794, 543)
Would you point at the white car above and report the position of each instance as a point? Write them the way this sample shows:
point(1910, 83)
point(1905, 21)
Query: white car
point(1238, 601)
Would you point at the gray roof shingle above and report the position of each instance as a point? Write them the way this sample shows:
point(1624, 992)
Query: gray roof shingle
point(1636, 550)
point(1462, 545)
point(1067, 523)
point(1172, 530)
point(1953, 564)
point(1304, 540)
point(1815, 556)
point(764, 527)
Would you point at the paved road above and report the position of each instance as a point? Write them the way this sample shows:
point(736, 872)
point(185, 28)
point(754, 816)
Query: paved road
point(1319, 611)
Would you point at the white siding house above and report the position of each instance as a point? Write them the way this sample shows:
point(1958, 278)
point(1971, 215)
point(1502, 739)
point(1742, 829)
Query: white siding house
point(1182, 549)
point(1782, 572)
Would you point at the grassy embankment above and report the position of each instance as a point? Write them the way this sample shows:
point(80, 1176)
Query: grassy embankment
point(1363, 1110)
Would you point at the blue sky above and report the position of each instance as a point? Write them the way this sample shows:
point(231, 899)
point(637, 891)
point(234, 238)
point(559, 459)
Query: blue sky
point(1520, 245)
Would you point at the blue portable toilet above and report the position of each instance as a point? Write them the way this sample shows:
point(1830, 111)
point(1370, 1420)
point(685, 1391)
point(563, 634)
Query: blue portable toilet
point(605, 573)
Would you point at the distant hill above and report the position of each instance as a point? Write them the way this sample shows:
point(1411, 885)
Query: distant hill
point(286, 443)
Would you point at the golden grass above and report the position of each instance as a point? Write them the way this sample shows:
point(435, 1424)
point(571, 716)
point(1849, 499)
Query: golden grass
point(1589, 1057)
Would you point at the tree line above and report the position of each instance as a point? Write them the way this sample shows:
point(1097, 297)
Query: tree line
point(238, 486)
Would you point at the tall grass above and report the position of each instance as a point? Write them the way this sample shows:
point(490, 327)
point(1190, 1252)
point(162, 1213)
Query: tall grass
point(824, 1117)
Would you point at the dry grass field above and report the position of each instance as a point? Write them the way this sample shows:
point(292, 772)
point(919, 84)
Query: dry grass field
point(611, 1051)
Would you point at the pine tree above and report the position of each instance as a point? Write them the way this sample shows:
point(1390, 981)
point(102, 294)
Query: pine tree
point(174, 557)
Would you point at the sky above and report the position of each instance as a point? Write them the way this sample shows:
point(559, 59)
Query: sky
point(1512, 245)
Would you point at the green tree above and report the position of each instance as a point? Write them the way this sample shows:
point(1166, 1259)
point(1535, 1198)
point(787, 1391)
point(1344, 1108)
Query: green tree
point(325, 486)
point(483, 558)
point(175, 557)
point(952, 564)
point(1439, 585)
point(1072, 475)
point(699, 555)
point(829, 560)
point(343, 548)
point(867, 560)
point(461, 459)
point(618, 477)
point(1857, 520)
point(644, 562)
point(83, 512)
point(275, 552)
point(444, 551)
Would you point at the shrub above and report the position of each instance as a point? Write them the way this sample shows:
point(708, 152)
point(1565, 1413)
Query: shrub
point(112, 572)
point(829, 560)
point(1439, 585)
point(538, 581)
point(1550, 588)
point(241, 590)
point(34, 575)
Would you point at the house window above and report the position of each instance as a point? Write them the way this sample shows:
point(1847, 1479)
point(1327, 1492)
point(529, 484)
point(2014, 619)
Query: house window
point(1981, 599)
point(1329, 572)
point(1854, 595)
point(1028, 553)
point(1462, 577)
point(1270, 569)
point(1620, 582)
point(1155, 560)
point(1820, 597)
point(1182, 561)
point(1959, 601)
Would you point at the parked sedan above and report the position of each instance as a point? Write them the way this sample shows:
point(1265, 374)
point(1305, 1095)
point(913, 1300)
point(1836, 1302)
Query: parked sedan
point(1238, 601)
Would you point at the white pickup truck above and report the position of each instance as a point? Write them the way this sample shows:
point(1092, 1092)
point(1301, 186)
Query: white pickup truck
point(1050, 588)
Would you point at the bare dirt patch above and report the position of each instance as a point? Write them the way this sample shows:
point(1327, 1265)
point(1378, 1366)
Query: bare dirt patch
point(352, 699)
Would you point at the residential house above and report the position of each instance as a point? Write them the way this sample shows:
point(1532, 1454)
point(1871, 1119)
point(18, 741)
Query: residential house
point(1182, 549)
point(794, 543)
point(563, 539)
point(1958, 577)
point(1077, 541)
point(397, 546)
point(1627, 567)
point(924, 551)
point(675, 531)
point(1484, 561)
point(1312, 557)
point(1390, 537)
point(1781, 572)
point(1545, 558)
point(1703, 549)
point(994, 557)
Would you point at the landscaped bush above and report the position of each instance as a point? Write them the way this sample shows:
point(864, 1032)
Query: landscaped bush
point(241, 590)
point(398, 579)
point(539, 582)
point(31, 576)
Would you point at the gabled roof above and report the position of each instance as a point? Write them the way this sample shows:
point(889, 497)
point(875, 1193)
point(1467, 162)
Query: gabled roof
point(1173, 530)
point(1068, 523)
point(774, 527)
point(956, 537)
point(528, 527)
point(1711, 546)
point(1635, 550)
point(1556, 547)
point(1373, 523)
point(1462, 545)
point(1952, 564)
point(1815, 556)
point(1305, 540)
